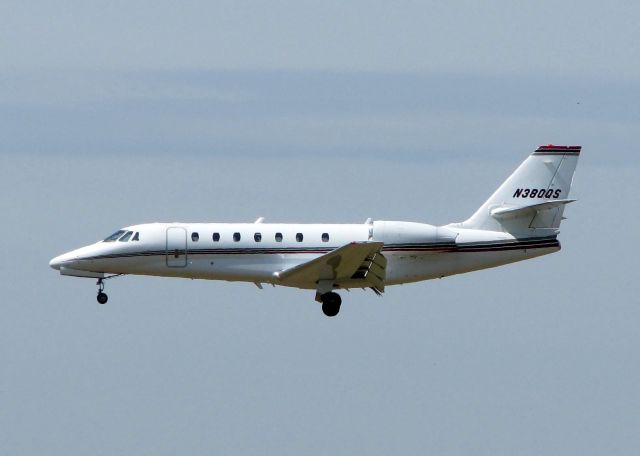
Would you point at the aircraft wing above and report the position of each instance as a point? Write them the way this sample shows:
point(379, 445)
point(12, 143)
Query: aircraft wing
point(359, 264)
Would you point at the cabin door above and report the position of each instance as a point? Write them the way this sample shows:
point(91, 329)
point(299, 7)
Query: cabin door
point(176, 247)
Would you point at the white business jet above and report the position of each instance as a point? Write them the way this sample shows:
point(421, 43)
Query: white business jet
point(519, 221)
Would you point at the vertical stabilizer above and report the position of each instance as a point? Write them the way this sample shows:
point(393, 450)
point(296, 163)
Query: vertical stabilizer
point(532, 200)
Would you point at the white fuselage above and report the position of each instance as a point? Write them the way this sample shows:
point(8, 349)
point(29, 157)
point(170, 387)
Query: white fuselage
point(256, 252)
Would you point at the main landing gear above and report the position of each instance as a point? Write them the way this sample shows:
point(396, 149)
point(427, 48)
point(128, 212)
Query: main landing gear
point(331, 303)
point(102, 296)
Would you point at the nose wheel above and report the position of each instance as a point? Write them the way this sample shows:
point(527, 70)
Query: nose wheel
point(102, 296)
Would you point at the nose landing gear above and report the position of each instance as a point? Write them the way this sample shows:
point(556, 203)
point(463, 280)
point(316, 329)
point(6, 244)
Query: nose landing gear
point(102, 296)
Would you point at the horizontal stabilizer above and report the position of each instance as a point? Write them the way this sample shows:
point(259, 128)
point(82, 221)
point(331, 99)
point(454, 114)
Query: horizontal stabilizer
point(519, 211)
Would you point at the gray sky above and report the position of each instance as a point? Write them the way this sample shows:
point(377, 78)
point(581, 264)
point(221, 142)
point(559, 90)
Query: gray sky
point(113, 114)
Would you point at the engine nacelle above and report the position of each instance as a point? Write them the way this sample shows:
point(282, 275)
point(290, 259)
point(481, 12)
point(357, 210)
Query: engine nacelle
point(411, 233)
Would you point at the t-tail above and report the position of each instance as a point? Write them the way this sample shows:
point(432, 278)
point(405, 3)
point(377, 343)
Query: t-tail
point(531, 202)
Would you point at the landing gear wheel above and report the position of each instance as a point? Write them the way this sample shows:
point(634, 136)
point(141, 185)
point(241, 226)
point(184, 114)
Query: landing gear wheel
point(102, 297)
point(331, 303)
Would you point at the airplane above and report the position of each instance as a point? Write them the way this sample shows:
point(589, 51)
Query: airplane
point(519, 221)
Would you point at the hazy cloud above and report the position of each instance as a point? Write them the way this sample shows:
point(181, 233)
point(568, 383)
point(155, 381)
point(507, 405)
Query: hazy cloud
point(285, 113)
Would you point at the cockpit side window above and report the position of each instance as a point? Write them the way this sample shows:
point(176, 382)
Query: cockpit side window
point(126, 236)
point(114, 236)
point(136, 237)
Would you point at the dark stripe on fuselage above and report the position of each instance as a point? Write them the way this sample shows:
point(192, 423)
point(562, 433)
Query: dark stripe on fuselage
point(509, 246)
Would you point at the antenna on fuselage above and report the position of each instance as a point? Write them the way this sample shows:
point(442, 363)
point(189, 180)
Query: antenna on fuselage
point(259, 220)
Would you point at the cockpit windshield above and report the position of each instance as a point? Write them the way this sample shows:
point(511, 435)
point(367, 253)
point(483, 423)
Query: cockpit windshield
point(114, 236)
point(126, 237)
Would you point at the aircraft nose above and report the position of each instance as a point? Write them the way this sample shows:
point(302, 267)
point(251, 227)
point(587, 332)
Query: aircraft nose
point(72, 259)
point(66, 259)
point(56, 262)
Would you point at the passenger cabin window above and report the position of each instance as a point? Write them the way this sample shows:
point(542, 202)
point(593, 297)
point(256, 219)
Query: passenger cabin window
point(195, 237)
point(114, 236)
point(299, 237)
point(126, 236)
point(216, 237)
point(325, 237)
point(278, 237)
point(136, 237)
point(236, 237)
point(257, 237)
